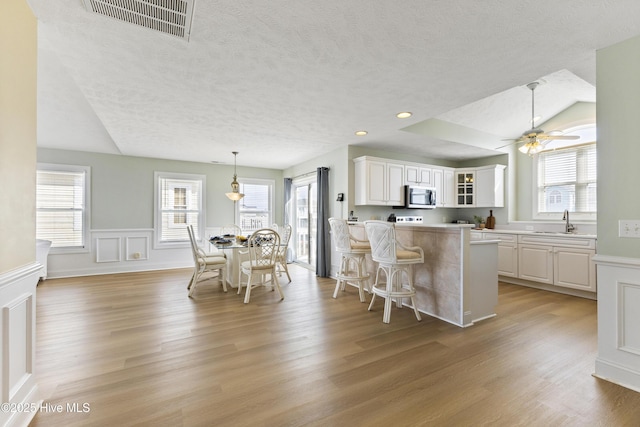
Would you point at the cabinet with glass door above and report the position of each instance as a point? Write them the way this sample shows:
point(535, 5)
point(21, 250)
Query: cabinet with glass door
point(465, 188)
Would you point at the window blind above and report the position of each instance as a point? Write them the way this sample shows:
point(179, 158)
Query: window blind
point(60, 207)
point(567, 179)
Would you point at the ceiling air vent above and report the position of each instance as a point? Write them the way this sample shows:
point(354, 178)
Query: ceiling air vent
point(167, 16)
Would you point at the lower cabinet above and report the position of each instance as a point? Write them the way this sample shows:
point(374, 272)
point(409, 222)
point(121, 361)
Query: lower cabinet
point(574, 268)
point(553, 260)
point(561, 261)
point(507, 253)
point(535, 262)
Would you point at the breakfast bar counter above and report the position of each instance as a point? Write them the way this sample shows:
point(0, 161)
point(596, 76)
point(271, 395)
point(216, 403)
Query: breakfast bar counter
point(458, 281)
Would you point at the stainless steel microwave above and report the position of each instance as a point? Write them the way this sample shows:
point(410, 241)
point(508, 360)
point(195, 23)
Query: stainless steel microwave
point(419, 197)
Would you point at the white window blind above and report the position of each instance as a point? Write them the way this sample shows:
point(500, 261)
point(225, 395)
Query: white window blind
point(61, 206)
point(179, 205)
point(254, 208)
point(567, 179)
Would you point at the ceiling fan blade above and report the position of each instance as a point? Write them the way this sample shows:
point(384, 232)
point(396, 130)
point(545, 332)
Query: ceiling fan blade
point(513, 141)
point(567, 137)
point(509, 144)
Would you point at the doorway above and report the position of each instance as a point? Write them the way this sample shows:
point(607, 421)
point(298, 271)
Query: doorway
point(305, 214)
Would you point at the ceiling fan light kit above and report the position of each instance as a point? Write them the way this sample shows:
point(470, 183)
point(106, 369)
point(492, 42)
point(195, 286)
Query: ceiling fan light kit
point(535, 138)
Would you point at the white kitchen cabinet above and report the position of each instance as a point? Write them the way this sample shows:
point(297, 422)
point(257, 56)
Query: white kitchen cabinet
point(378, 182)
point(574, 268)
point(507, 253)
point(560, 261)
point(490, 186)
point(535, 262)
point(465, 187)
point(417, 175)
point(480, 187)
point(443, 181)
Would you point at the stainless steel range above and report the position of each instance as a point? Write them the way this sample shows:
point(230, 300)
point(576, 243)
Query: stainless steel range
point(409, 219)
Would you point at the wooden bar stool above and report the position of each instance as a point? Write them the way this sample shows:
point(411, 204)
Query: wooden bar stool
point(393, 259)
point(352, 264)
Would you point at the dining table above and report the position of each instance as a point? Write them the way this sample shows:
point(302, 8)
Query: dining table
point(235, 252)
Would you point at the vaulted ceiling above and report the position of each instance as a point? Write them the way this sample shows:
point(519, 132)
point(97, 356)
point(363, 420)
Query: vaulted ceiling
point(284, 82)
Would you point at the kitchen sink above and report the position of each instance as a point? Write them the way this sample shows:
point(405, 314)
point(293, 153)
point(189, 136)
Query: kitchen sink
point(563, 233)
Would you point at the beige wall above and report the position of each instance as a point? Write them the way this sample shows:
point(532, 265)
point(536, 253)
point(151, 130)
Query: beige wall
point(18, 52)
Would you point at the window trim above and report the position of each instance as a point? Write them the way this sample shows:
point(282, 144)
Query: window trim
point(258, 181)
point(157, 214)
point(86, 211)
point(589, 217)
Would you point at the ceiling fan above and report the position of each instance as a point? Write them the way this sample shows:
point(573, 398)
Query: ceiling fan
point(535, 138)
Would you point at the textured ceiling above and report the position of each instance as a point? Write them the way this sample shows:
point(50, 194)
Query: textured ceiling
point(284, 82)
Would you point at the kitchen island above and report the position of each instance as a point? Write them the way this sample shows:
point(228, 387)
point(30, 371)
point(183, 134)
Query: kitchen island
point(458, 281)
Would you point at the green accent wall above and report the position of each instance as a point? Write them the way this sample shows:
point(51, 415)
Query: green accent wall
point(122, 187)
point(618, 111)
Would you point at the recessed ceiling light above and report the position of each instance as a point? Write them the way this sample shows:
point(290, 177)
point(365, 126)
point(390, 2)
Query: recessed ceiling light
point(404, 115)
point(361, 132)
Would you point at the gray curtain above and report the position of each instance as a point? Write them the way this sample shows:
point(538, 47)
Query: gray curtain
point(323, 254)
point(288, 184)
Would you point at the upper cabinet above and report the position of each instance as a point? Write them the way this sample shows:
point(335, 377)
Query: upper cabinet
point(418, 175)
point(480, 187)
point(443, 181)
point(379, 182)
point(465, 187)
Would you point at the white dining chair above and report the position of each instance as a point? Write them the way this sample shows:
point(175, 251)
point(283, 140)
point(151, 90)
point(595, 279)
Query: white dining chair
point(263, 247)
point(204, 263)
point(285, 236)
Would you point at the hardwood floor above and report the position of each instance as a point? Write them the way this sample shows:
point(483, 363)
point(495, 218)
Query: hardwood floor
point(133, 349)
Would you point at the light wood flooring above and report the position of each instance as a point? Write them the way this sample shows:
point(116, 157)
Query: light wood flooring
point(133, 349)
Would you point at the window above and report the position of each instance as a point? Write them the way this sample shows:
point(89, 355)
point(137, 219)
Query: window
point(61, 206)
point(179, 202)
point(567, 179)
point(255, 208)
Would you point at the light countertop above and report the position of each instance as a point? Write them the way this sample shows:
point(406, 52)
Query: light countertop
point(537, 233)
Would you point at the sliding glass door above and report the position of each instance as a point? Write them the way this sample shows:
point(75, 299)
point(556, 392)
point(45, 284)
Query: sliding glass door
point(305, 197)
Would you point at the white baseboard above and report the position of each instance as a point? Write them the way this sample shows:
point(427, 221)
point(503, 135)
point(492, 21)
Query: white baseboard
point(617, 374)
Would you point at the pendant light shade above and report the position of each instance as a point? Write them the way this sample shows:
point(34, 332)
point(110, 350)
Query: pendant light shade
point(235, 193)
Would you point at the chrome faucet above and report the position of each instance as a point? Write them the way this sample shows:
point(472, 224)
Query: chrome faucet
point(568, 227)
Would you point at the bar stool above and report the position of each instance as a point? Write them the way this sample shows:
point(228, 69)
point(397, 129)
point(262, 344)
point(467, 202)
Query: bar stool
point(352, 264)
point(393, 259)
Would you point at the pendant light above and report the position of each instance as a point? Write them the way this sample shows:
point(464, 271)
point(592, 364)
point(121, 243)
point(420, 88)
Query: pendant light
point(235, 193)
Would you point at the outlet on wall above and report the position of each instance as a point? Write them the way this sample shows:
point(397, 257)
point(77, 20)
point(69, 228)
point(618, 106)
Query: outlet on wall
point(629, 228)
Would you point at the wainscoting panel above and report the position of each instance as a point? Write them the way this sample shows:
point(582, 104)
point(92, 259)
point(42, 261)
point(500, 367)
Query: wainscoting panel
point(119, 251)
point(17, 315)
point(17, 329)
point(137, 248)
point(108, 249)
point(618, 358)
point(629, 321)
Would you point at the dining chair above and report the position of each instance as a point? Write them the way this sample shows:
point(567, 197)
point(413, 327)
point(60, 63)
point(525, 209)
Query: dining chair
point(263, 247)
point(285, 236)
point(205, 263)
point(352, 258)
point(393, 260)
point(231, 229)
